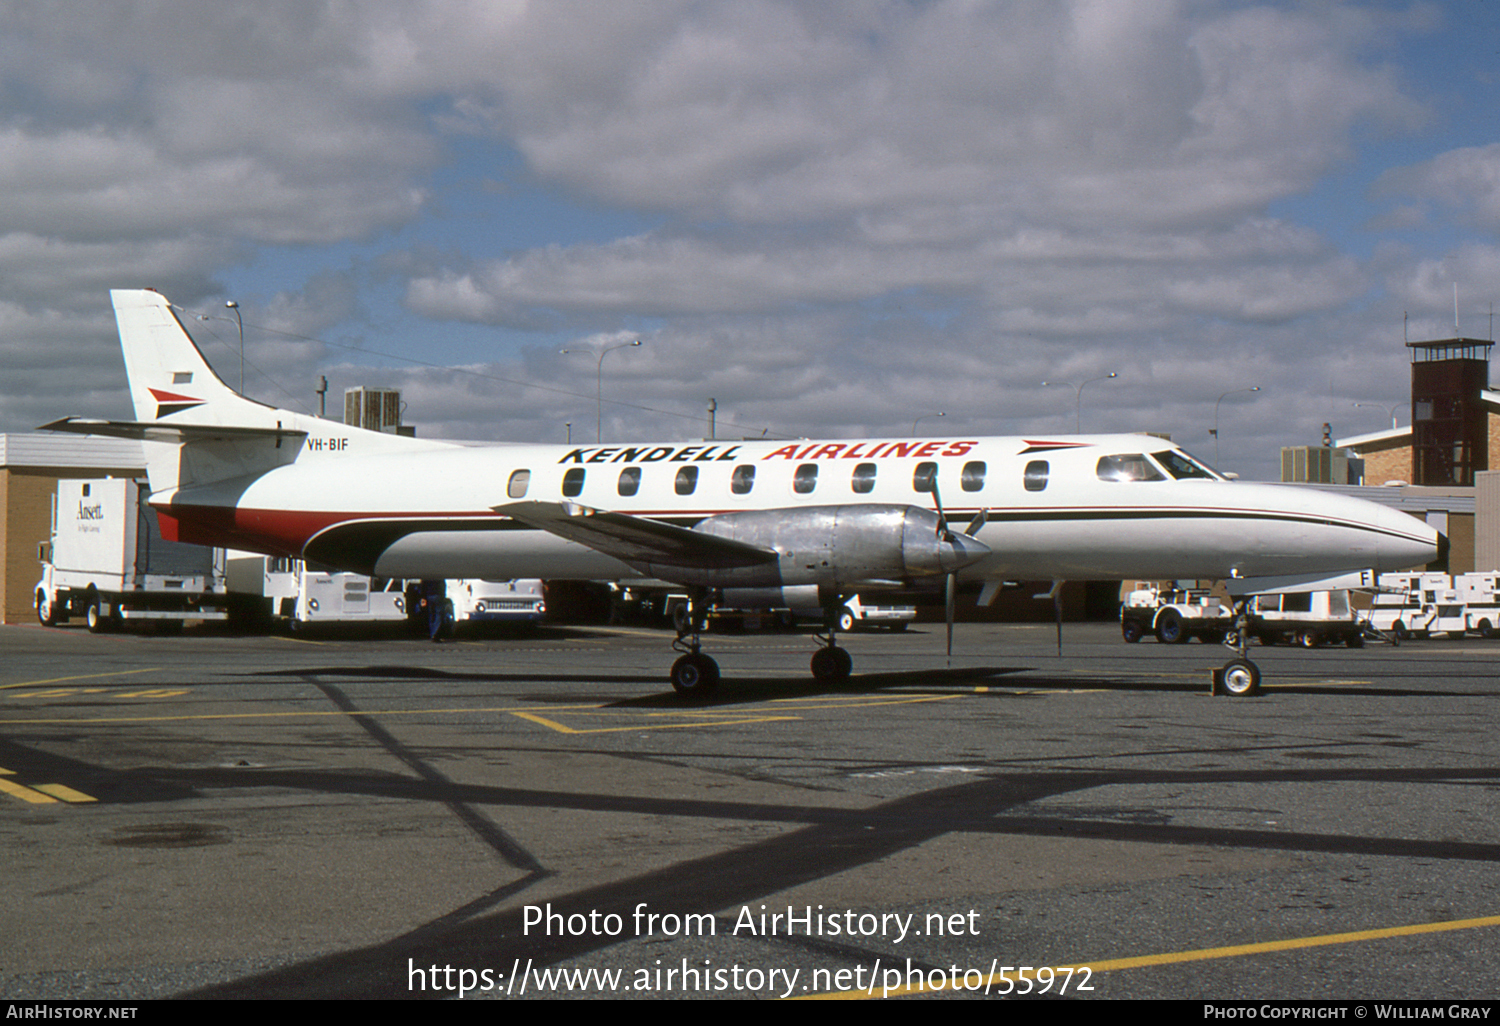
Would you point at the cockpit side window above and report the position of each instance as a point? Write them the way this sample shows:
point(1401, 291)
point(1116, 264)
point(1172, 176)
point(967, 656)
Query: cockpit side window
point(1128, 467)
point(1035, 476)
point(1180, 465)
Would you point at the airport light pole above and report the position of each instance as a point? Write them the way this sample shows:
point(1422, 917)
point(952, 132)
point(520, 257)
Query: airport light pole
point(921, 418)
point(1215, 431)
point(232, 305)
point(1381, 406)
point(1078, 412)
point(599, 383)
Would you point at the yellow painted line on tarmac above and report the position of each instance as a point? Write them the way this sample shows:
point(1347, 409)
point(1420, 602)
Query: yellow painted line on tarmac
point(65, 793)
point(995, 980)
point(86, 676)
point(24, 793)
point(563, 729)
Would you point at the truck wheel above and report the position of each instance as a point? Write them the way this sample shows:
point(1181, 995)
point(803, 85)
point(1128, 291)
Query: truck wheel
point(1170, 629)
point(1309, 639)
point(1131, 631)
point(46, 609)
point(1399, 630)
point(846, 621)
point(97, 617)
point(1486, 629)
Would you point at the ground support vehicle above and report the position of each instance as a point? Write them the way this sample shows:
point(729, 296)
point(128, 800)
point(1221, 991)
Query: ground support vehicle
point(856, 613)
point(1480, 594)
point(107, 562)
point(1418, 605)
point(1174, 614)
point(476, 601)
point(305, 595)
point(1307, 618)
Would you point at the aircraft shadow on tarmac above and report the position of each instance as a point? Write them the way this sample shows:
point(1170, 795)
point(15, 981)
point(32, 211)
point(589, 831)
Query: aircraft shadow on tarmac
point(827, 842)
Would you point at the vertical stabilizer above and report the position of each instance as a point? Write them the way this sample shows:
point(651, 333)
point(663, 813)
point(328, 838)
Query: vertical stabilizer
point(170, 381)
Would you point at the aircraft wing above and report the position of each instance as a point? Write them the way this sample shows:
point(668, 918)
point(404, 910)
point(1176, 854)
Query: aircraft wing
point(636, 540)
point(154, 431)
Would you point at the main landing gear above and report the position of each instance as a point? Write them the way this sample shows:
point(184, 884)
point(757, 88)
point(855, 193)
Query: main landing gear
point(831, 664)
point(696, 675)
point(1239, 677)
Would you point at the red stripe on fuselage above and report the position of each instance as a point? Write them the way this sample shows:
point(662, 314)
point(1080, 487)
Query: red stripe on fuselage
point(275, 532)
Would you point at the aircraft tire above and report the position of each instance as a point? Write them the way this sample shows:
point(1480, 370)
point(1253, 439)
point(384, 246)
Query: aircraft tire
point(695, 675)
point(830, 665)
point(1241, 678)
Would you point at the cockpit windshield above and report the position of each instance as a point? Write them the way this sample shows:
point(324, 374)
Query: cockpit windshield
point(1180, 465)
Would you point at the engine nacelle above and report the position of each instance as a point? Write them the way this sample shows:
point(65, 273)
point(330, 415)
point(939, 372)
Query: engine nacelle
point(840, 548)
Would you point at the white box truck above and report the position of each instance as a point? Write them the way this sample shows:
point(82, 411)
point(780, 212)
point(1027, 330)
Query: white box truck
point(107, 562)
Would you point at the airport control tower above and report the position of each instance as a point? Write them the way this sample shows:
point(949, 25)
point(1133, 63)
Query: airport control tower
point(1450, 437)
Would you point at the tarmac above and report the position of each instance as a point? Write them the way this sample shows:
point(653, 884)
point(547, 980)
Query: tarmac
point(365, 815)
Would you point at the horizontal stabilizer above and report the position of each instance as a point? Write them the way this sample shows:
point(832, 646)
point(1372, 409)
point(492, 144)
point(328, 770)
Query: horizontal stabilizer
point(637, 540)
point(155, 431)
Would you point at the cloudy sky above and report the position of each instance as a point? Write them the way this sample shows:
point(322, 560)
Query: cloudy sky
point(833, 218)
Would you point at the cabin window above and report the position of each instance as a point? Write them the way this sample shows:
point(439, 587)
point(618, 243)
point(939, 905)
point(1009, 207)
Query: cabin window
point(805, 479)
point(743, 479)
point(924, 478)
point(630, 481)
point(1035, 475)
point(520, 480)
point(573, 482)
point(972, 478)
point(687, 480)
point(1128, 467)
point(863, 481)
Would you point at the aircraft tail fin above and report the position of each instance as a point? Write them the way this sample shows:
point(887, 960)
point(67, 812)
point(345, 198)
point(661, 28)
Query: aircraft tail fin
point(170, 381)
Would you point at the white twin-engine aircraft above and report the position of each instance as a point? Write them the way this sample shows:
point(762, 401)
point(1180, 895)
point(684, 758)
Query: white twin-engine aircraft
point(762, 523)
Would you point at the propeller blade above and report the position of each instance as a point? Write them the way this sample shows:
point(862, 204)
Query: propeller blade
point(952, 588)
point(943, 531)
point(978, 522)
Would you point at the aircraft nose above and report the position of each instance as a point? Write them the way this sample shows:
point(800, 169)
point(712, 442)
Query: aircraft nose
point(1409, 542)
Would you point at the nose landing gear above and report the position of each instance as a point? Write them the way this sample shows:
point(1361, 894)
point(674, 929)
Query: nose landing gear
point(1239, 678)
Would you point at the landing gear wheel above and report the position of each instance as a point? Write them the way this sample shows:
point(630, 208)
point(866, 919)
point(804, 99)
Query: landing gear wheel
point(831, 664)
point(1240, 678)
point(1170, 629)
point(694, 675)
point(1131, 631)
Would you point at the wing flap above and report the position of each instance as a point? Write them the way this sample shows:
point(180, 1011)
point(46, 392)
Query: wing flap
point(637, 540)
